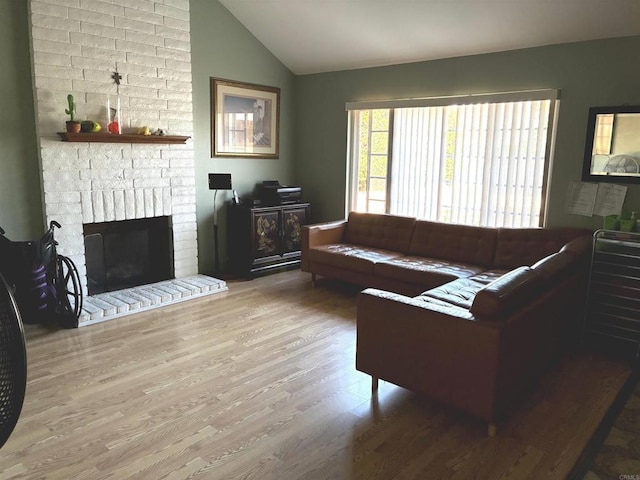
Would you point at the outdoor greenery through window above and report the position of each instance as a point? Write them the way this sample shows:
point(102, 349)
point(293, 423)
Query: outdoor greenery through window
point(483, 163)
point(373, 160)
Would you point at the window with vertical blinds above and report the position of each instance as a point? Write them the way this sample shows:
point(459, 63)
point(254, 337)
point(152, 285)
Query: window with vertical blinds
point(476, 161)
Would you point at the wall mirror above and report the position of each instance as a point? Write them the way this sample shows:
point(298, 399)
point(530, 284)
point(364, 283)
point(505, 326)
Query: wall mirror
point(612, 146)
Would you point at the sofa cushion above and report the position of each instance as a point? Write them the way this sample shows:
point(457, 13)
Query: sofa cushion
point(460, 293)
point(488, 276)
point(524, 246)
point(388, 232)
point(456, 243)
point(506, 293)
point(440, 303)
point(350, 257)
point(426, 272)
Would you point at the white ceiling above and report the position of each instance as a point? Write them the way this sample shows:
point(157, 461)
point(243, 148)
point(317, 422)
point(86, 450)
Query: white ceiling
point(312, 36)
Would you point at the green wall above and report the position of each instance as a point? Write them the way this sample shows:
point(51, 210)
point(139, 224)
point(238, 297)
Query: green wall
point(313, 122)
point(604, 72)
point(221, 47)
point(20, 197)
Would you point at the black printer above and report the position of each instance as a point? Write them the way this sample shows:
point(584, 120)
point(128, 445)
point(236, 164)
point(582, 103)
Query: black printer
point(270, 192)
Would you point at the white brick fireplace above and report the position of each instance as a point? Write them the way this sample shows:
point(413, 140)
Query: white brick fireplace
point(76, 46)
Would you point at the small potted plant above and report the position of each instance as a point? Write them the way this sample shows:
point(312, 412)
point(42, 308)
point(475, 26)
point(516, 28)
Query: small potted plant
point(73, 126)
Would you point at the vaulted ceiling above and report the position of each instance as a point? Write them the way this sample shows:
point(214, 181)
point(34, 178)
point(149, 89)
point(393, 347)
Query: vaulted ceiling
point(312, 36)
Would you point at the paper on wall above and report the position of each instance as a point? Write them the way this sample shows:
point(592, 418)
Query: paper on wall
point(609, 199)
point(590, 199)
point(581, 198)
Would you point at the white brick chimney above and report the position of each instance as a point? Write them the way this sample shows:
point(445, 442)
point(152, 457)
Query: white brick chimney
point(77, 45)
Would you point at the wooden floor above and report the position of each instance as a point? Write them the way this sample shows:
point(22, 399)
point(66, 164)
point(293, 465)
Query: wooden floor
point(259, 383)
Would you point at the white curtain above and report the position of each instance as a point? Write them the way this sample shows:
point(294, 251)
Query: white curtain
point(481, 164)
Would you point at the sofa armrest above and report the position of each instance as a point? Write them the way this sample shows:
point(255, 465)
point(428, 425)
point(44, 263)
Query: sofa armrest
point(320, 234)
point(578, 247)
point(436, 350)
point(415, 305)
point(323, 233)
point(506, 293)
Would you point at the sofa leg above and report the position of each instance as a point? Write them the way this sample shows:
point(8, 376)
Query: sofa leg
point(374, 384)
point(313, 279)
point(491, 430)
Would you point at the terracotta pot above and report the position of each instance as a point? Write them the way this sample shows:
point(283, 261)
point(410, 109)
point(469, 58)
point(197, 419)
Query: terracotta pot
point(73, 127)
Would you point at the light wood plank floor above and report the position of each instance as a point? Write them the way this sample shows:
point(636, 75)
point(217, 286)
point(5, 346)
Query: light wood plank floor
point(259, 383)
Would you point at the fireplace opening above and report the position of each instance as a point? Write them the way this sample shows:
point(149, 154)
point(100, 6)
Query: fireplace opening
point(128, 253)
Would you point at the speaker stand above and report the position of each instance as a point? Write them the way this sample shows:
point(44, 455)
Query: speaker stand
point(215, 236)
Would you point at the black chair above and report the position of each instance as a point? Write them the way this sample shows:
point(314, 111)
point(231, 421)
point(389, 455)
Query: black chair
point(13, 362)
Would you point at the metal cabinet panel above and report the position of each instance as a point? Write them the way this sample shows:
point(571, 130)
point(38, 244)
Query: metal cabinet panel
point(612, 320)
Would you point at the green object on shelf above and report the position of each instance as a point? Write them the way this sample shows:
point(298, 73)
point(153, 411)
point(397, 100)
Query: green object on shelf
point(627, 225)
point(611, 222)
point(71, 111)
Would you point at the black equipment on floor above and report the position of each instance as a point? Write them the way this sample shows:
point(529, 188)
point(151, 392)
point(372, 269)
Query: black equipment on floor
point(46, 285)
point(13, 362)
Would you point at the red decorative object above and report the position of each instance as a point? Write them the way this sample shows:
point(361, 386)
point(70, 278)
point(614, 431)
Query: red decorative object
point(114, 120)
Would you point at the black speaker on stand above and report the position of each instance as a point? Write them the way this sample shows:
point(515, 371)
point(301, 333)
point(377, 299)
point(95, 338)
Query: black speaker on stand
point(218, 181)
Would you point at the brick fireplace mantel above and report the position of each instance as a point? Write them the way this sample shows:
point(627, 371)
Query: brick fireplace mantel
point(76, 46)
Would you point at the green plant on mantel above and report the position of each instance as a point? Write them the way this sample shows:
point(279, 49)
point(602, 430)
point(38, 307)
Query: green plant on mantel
point(73, 126)
point(71, 111)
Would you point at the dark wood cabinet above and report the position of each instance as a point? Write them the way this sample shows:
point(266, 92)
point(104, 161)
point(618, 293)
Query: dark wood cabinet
point(262, 239)
point(612, 321)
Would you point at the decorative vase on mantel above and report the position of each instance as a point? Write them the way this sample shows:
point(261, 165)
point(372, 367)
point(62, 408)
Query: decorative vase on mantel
point(114, 120)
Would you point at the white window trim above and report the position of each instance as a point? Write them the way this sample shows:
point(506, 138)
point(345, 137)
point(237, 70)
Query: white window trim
point(517, 96)
point(524, 95)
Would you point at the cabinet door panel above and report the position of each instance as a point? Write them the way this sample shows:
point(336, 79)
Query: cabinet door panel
point(264, 239)
point(292, 222)
point(266, 235)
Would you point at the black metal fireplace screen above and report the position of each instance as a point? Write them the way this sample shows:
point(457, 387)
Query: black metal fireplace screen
point(128, 253)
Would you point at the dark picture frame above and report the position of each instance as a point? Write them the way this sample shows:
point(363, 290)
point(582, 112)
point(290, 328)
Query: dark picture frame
point(245, 119)
point(612, 145)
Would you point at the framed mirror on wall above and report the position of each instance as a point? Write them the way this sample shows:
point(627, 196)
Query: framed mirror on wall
point(612, 146)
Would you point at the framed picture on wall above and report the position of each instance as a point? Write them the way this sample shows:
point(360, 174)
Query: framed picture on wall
point(245, 119)
point(612, 147)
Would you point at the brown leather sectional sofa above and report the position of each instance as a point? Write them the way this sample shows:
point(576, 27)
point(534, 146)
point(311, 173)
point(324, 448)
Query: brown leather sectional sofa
point(469, 316)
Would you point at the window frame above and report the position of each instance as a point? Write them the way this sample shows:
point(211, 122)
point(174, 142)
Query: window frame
point(553, 95)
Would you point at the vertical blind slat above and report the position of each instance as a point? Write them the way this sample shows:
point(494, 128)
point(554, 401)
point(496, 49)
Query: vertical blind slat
point(485, 169)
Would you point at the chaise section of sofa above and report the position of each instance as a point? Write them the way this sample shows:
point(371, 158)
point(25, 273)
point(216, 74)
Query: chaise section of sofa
point(476, 347)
